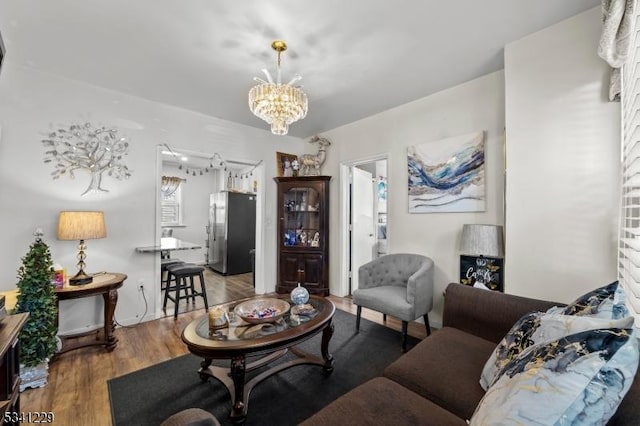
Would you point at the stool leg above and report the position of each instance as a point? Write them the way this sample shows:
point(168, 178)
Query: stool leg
point(204, 291)
point(179, 282)
point(167, 288)
point(193, 290)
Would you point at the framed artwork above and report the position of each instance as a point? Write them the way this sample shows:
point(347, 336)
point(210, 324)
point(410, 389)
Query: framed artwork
point(283, 162)
point(447, 175)
point(483, 272)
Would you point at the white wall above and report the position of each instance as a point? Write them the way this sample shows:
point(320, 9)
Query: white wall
point(475, 105)
point(562, 163)
point(31, 101)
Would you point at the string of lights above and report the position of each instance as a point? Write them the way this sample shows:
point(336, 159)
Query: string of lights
point(215, 162)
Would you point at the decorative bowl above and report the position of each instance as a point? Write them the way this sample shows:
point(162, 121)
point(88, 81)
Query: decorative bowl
point(258, 311)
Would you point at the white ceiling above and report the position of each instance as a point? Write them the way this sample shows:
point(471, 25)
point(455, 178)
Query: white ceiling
point(357, 57)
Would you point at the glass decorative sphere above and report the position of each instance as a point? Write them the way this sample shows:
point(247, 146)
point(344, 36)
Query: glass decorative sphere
point(299, 295)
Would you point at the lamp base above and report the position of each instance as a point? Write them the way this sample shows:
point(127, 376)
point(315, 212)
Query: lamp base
point(80, 278)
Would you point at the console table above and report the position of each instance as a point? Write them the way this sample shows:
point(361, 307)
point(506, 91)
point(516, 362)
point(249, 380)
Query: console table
point(107, 285)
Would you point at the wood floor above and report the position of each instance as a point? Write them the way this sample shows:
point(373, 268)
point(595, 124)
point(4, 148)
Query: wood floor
point(77, 391)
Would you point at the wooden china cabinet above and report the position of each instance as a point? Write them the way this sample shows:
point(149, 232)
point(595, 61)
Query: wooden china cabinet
point(303, 233)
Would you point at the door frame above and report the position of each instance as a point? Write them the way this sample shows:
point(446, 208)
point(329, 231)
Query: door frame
point(345, 214)
point(259, 174)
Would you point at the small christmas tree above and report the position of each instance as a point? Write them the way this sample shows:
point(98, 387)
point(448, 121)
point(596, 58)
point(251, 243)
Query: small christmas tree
point(38, 337)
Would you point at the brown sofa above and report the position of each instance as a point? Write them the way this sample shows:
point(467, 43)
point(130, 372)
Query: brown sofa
point(436, 383)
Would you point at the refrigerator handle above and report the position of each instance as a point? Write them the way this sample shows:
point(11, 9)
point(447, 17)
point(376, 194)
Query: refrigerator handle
point(215, 221)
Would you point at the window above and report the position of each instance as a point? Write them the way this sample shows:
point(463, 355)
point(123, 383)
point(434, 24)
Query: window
point(629, 241)
point(171, 208)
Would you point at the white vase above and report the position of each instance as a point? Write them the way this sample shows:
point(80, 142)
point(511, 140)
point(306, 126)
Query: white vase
point(34, 377)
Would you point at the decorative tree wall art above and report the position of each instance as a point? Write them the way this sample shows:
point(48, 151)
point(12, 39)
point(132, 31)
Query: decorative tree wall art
point(447, 175)
point(84, 147)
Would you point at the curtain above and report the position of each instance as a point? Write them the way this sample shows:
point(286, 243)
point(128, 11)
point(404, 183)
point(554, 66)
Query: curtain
point(170, 184)
point(617, 27)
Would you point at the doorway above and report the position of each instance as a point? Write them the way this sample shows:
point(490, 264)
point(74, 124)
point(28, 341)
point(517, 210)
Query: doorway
point(189, 217)
point(364, 213)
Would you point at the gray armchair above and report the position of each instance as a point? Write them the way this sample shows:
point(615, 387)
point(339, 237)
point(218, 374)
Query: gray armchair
point(400, 285)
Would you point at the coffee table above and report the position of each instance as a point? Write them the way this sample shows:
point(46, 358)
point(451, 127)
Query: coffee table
point(269, 341)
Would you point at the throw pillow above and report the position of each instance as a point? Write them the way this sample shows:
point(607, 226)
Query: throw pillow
point(577, 378)
point(604, 302)
point(539, 327)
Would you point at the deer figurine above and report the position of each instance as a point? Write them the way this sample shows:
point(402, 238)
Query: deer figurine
point(310, 163)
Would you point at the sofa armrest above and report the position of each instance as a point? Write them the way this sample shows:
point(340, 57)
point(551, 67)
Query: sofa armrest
point(486, 313)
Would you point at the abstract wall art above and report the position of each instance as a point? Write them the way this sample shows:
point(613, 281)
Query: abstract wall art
point(447, 175)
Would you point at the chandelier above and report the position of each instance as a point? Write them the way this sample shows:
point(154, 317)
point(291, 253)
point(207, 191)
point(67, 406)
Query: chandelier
point(276, 103)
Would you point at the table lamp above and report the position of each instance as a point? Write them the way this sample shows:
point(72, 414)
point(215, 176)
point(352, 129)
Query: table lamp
point(481, 241)
point(81, 226)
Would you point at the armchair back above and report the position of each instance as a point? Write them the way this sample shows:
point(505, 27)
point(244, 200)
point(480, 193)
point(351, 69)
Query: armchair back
point(391, 269)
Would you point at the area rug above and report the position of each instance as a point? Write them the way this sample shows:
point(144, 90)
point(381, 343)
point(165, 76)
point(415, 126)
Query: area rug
point(150, 395)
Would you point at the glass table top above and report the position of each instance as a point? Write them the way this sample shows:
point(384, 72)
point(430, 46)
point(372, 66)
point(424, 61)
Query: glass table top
point(237, 329)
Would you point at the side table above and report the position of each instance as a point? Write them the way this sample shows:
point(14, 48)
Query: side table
point(106, 284)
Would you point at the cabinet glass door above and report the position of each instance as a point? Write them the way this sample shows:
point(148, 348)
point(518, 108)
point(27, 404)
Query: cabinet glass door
point(302, 217)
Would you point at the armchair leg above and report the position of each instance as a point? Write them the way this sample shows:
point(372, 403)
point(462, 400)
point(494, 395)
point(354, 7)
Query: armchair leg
point(358, 315)
point(426, 324)
point(405, 324)
point(384, 317)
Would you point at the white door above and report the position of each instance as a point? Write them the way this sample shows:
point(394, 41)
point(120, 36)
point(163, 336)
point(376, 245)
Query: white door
point(363, 231)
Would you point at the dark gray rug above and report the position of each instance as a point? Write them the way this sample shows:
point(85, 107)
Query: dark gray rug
point(148, 396)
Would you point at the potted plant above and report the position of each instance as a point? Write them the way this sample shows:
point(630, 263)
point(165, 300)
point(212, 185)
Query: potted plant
point(36, 296)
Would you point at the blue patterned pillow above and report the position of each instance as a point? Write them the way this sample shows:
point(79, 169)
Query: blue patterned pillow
point(540, 327)
point(578, 378)
point(604, 302)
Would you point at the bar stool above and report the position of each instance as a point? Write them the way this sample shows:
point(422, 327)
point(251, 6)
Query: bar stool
point(179, 273)
point(164, 274)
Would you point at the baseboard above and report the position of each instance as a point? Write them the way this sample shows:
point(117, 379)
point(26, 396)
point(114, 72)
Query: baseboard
point(433, 324)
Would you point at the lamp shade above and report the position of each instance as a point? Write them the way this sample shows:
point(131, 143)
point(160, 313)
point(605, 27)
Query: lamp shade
point(482, 240)
point(81, 226)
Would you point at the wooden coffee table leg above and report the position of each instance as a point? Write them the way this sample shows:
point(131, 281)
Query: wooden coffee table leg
point(204, 365)
point(327, 334)
point(239, 409)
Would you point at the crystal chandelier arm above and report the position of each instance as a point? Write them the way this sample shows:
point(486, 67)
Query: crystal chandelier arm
point(266, 72)
point(295, 79)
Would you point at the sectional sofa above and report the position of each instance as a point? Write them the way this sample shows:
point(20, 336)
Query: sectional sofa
point(437, 382)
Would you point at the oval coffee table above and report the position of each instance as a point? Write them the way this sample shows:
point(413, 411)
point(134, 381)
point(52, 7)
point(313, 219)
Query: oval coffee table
point(271, 340)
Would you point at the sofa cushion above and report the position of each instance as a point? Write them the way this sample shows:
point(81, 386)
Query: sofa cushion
point(539, 327)
point(577, 378)
point(382, 402)
point(604, 302)
point(444, 368)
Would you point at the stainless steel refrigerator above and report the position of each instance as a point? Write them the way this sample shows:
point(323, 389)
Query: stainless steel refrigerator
point(232, 232)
